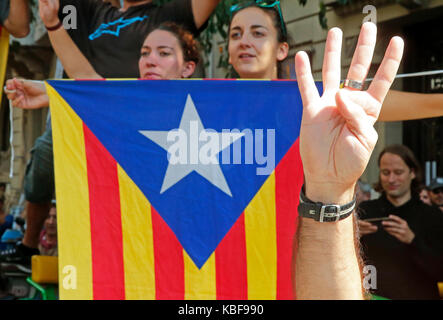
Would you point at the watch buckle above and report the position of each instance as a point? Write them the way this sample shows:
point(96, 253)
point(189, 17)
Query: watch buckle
point(323, 208)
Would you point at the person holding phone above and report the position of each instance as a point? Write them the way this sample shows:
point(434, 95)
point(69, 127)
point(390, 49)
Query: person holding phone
point(400, 235)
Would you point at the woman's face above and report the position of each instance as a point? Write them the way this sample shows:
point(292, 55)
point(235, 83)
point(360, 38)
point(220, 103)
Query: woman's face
point(162, 57)
point(253, 46)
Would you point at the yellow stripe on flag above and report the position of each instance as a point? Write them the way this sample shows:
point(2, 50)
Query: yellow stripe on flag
point(138, 245)
point(200, 284)
point(261, 243)
point(71, 180)
point(4, 49)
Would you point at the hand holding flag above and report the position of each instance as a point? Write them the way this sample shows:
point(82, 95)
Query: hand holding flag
point(25, 94)
point(337, 135)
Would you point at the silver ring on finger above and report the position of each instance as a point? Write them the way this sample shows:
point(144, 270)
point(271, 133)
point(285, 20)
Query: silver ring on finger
point(352, 84)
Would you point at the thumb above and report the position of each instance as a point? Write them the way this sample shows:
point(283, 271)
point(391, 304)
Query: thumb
point(356, 119)
point(349, 110)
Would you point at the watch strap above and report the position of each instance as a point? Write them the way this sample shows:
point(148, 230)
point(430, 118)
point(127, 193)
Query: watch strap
point(56, 27)
point(324, 212)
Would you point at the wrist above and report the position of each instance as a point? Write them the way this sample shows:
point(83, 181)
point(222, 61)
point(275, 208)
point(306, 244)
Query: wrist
point(53, 25)
point(330, 193)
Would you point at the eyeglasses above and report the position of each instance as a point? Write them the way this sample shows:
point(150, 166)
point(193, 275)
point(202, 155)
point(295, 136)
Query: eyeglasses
point(261, 4)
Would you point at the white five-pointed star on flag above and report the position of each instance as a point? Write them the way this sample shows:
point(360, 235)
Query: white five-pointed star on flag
point(191, 124)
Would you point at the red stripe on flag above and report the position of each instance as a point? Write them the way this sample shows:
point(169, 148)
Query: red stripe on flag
point(108, 280)
point(231, 264)
point(288, 183)
point(169, 264)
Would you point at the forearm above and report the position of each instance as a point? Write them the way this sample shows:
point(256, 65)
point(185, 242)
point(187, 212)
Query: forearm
point(202, 10)
point(400, 105)
point(17, 22)
point(74, 62)
point(328, 261)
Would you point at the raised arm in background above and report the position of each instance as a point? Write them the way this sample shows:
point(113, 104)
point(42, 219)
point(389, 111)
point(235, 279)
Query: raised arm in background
point(17, 22)
point(202, 9)
point(401, 105)
point(74, 62)
point(337, 138)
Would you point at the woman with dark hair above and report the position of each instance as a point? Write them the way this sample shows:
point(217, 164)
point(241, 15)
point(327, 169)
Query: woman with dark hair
point(258, 39)
point(168, 52)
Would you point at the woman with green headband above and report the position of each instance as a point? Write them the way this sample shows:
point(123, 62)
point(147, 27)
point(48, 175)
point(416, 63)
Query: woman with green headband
point(258, 39)
point(258, 43)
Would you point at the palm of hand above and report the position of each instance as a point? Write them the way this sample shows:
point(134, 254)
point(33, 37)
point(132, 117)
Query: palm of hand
point(342, 151)
point(337, 135)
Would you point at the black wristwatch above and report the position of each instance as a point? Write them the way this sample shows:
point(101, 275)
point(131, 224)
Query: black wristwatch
point(324, 212)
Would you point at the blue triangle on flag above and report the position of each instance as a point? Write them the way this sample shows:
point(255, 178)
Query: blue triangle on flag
point(198, 210)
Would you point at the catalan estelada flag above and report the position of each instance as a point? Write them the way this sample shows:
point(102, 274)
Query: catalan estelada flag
point(176, 189)
point(4, 50)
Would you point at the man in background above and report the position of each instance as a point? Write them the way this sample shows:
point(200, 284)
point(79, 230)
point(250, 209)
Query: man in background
point(406, 247)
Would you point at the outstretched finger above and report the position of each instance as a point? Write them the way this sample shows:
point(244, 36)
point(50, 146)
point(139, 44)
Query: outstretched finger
point(331, 61)
point(388, 69)
point(361, 61)
point(306, 83)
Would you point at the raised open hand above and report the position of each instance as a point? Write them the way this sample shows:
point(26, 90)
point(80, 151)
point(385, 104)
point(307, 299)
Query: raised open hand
point(48, 10)
point(26, 94)
point(337, 135)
